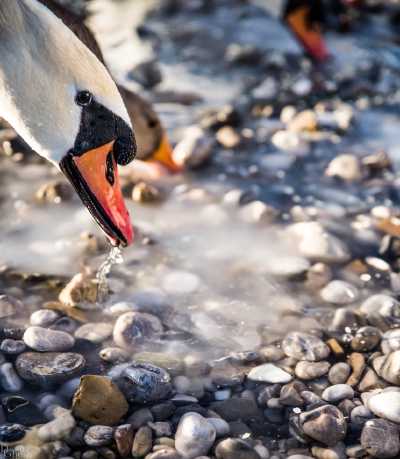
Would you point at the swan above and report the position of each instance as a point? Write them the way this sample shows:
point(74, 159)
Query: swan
point(62, 101)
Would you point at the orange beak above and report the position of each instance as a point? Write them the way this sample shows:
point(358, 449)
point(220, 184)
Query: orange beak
point(164, 156)
point(94, 175)
point(308, 35)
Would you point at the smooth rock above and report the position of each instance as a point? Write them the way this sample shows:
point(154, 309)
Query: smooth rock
point(339, 373)
point(194, 436)
point(346, 167)
point(98, 436)
point(303, 346)
point(269, 373)
point(123, 437)
point(366, 339)
point(9, 379)
point(50, 367)
point(391, 341)
point(44, 317)
point(134, 328)
point(235, 448)
point(99, 401)
point(325, 424)
point(380, 438)
point(389, 368)
point(339, 292)
point(142, 442)
point(221, 427)
point(311, 370)
point(12, 346)
point(10, 433)
point(386, 405)
point(338, 392)
point(144, 383)
point(46, 340)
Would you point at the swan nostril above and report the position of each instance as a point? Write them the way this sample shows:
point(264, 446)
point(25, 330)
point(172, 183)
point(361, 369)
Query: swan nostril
point(110, 169)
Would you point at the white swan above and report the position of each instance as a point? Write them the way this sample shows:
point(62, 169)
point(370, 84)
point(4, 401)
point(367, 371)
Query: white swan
point(62, 101)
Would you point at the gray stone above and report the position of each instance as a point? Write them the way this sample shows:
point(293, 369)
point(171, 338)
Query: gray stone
point(96, 332)
point(386, 405)
point(9, 379)
point(12, 346)
point(391, 341)
point(303, 346)
point(388, 367)
point(134, 328)
point(339, 292)
point(44, 317)
point(269, 373)
point(380, 438)
point(339, 373)
point(142, 442)
point(338, 392)
point(234, 448)
point(311, 370)
point(46, 340)
point(99, 436)
point(194, 436)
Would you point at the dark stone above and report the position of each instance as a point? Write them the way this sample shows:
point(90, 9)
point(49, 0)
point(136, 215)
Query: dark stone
point(380, 438)
point(20, 410)
point(233, 448)
point(163, 411)
point(235, 409)
point(11, 432)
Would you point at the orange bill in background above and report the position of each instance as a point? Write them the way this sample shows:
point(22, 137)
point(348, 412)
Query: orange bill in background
point(99, 171)
point(163, 155)
point(308, 34)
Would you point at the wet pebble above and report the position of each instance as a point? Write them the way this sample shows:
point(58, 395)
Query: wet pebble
point(9, 379)
point(134, 328)
point(12, 346)
point(366, 339)
point(221, 427)
point(10, 433)
point(325, 424)
point(194, 436)
point(44, 317)
point(235, 448)
point(339, 373)
point(380, 438)
point(123, 437)
point(346, 167)
point(269, 373)
point(388, 367)
point(99, 401)
point(45, 340)
point(114, 355)
point(98, 436)
point(144, 383)
point(303, 346)
point(391, 341)
point(338, 392)
point(142, 442)
point(386, 405)
point(311, 370)
point(49, 367)
point(96, 332)
point(339, 292)
point(194, 149)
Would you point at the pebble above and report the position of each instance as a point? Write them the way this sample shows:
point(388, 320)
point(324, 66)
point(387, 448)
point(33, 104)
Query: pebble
point(380, 438)
point(386, 405)
point(235, 448)
point(194, 435)
point(44, 317)
point(311, 370)
point(142, 442)
point(9, 306)
point(194, 149)
point(134, 328)
point(228, 137)
point(123, 437)
point(336, 452)
point(12, 346)
point(221, 427)
point(235, 409)
point(10, 433)
point(346, 167)
point(359, 416)
point(144, 383)
point(338, 392)
point(339, 373)
point(339, 292)
point(49, 367)
point(161, 428)
point(391, 341)
point(366, 339)
point(99, 401)
point(269, 373)
point(9, 379)
point(114, 355)
point(99, 436)
point(388, 367)
point(45, 340)
point(325, 424)
point(59, 428)
point(315, 243)
point(303, 346)
point(96, 332)
point(381, 309)
point(145, 193)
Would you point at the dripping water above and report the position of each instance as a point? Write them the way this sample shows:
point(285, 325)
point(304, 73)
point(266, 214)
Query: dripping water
point(114, 258)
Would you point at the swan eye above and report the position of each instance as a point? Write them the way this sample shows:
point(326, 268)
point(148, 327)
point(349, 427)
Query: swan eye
point(83, 98)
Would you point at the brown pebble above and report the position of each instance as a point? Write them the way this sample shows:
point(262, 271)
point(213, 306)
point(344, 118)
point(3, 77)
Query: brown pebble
point(123, 436)
point(142, 442)
point(335, 347)
point(145, 193)
point(357, 363)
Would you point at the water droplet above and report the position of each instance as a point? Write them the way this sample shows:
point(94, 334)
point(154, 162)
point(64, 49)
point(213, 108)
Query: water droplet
point(113, 258)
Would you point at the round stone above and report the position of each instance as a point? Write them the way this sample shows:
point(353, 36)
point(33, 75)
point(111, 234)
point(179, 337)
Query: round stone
point(380, 438)
point(303, 346)
point(98, 436)
point(338, 392)
point(339, 373)
point(10, 433)
point(134, 328)
point(46, 340)
point(386, 405)
point(339, 292)
point(49, 367)
point(311, 370)
point(269, 373)
point(9, 379)
point(391, 341)
point(194, 436)
point(235, 448)
point(12, 346)
point(44, 317)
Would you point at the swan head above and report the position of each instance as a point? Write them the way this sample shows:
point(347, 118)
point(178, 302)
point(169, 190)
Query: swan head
point(62, 101)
